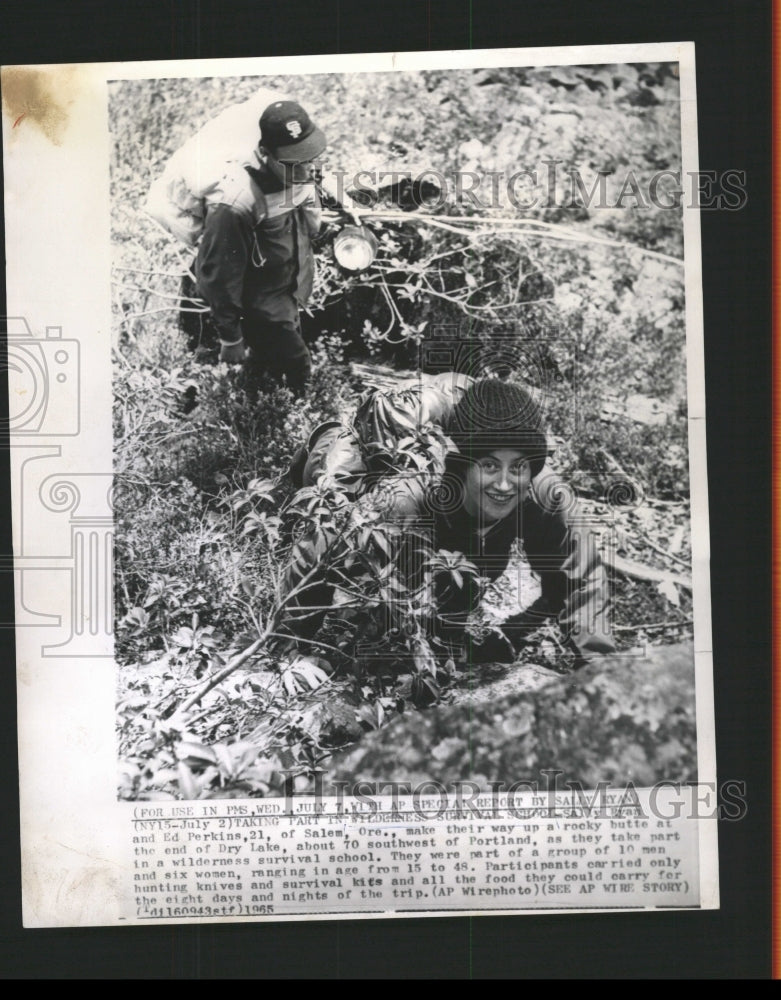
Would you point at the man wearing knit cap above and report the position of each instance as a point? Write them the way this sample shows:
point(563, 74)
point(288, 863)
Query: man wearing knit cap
point(255, 264)
point(491, 490)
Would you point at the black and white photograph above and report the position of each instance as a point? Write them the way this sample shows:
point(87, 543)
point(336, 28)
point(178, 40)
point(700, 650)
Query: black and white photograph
point(401, 453)
point(381, 426)
point(360, 470)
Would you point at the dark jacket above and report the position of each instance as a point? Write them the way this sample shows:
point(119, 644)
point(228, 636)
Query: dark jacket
point(558, 544)
point(256, 241)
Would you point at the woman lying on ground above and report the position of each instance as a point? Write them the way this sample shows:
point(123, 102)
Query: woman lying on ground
point(477, 483)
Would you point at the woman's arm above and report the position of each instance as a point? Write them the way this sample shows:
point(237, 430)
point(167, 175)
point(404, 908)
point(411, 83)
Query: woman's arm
point(562, 545)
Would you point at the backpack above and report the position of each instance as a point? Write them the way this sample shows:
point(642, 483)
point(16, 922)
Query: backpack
point(355, 455)
point(194, 175)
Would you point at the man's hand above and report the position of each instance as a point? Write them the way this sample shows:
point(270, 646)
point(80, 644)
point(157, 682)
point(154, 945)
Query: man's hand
point(233, 354)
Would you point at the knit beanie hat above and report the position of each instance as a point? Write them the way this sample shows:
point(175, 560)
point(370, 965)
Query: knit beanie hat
point(493, 415)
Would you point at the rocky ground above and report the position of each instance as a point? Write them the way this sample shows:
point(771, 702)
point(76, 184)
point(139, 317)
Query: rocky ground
point(626, 718)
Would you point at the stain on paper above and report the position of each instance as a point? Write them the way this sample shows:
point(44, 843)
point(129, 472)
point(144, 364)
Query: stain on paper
point(39, 97)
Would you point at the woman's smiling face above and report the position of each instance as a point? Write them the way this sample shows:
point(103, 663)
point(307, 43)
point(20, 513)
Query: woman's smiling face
point(495, 484)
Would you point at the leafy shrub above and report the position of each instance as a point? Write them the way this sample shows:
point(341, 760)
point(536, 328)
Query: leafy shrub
point(201, 536)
